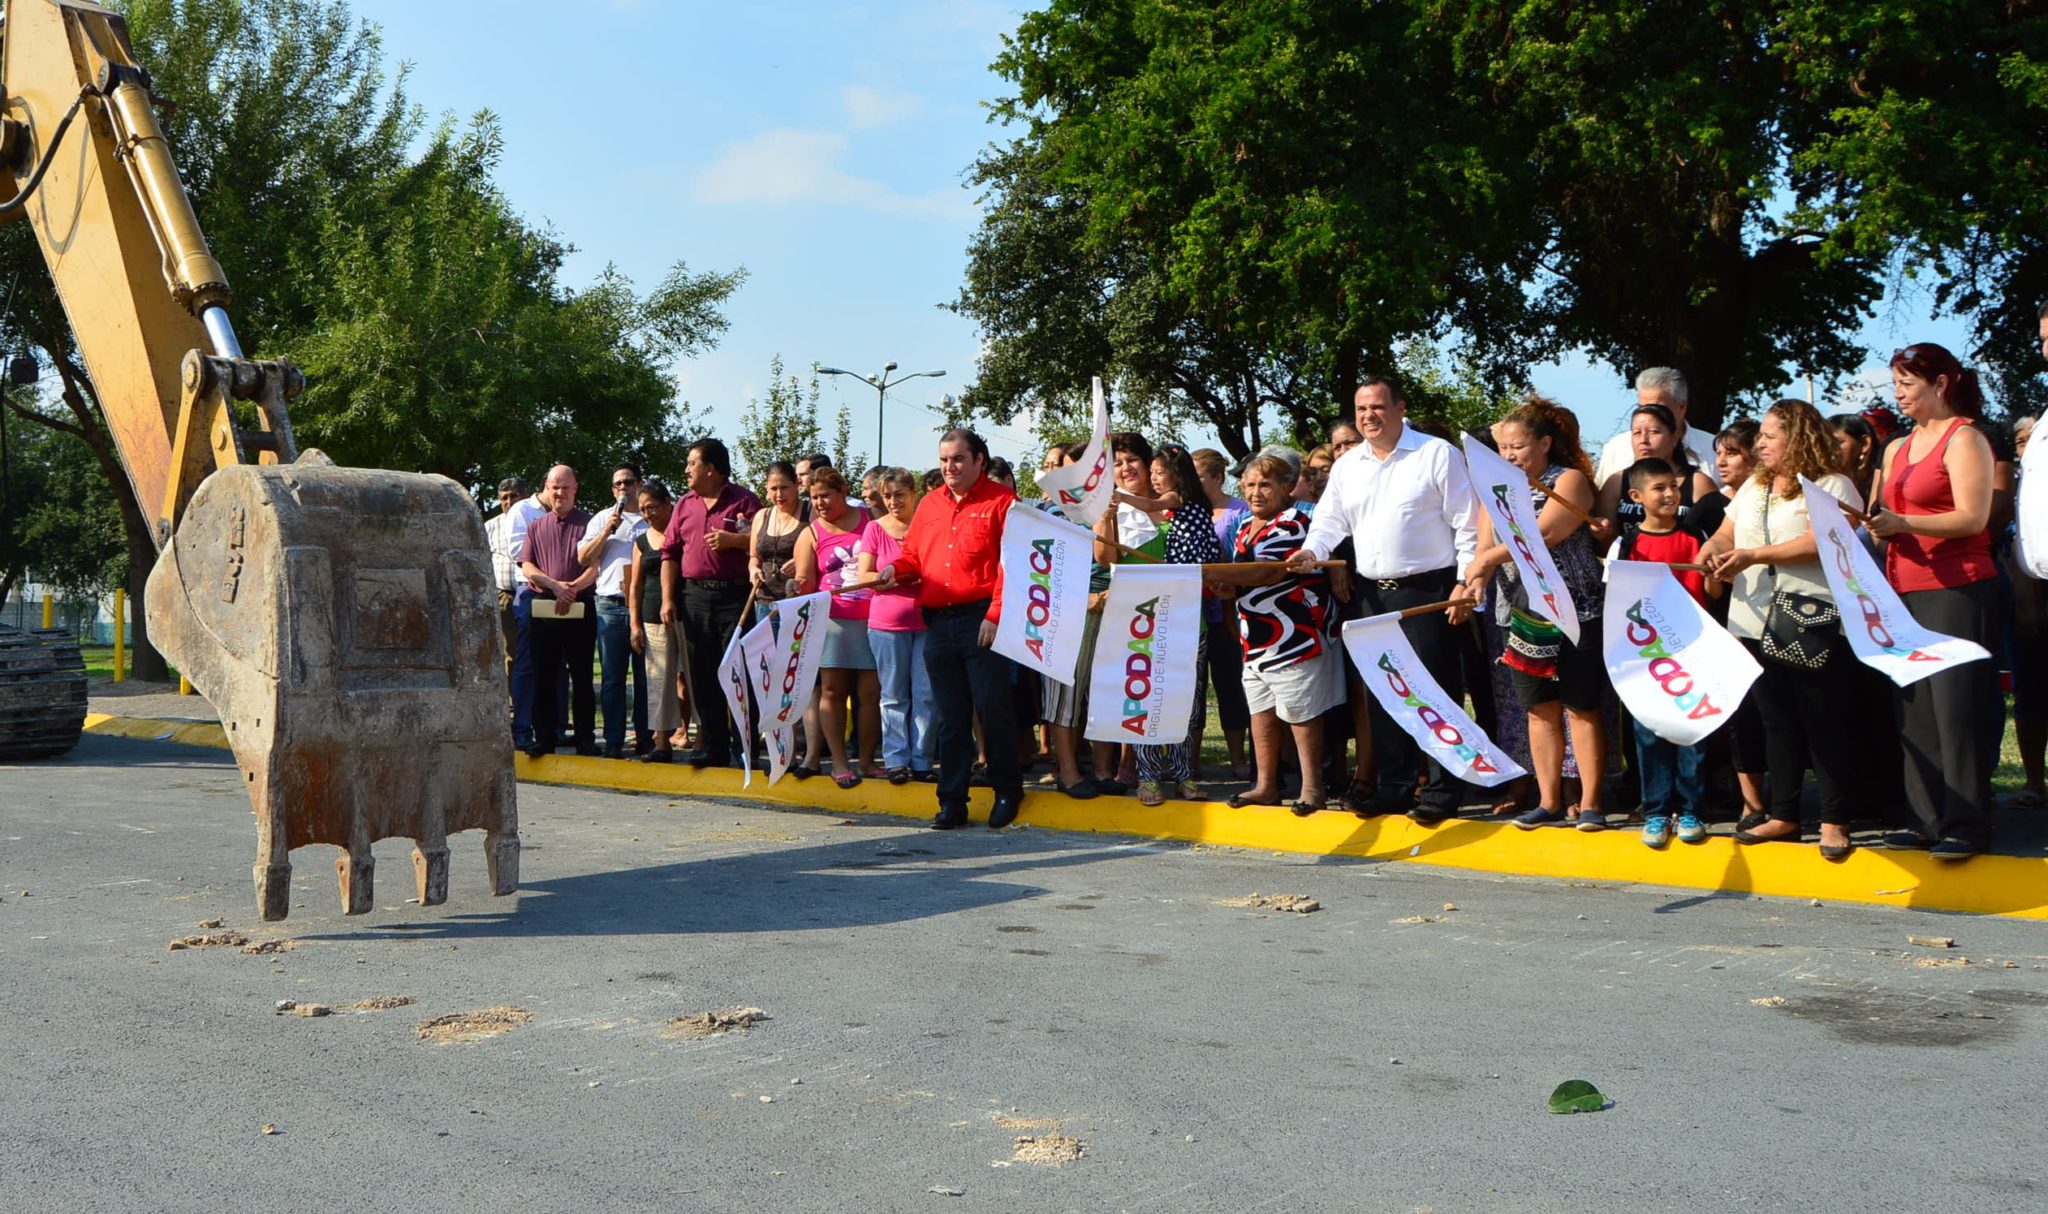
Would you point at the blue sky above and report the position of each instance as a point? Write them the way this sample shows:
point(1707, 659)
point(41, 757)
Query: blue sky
point(821, 145)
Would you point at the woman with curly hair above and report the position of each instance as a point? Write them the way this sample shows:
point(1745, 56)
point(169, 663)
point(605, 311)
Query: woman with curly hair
point(1552, 676)
point(1782, 610)
point(1934, 490)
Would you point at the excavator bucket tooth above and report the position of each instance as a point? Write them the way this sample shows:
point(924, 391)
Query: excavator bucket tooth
point(344, 623)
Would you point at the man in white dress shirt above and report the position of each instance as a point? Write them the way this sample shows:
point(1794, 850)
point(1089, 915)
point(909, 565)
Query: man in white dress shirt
point(1659, 386)
point(608, 548)
point(504, 566)
point(1405, 501)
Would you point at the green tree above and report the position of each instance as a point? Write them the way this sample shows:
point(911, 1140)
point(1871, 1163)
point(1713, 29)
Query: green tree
point(430, 319)
point(783, 425)
point(1935, 119)
point(57, 523)
point(1242, 206)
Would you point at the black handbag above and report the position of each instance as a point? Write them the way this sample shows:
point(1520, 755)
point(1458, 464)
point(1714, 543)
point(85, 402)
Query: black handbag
point(1800, 630)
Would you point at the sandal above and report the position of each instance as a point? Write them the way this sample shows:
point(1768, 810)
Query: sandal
point(846, 779)
point(898, 775)
point(1304, 807)
point(1149, 793)
point(803, 771)
point(875, 771)
point(1240, 800)
point(1750, 836)
point(1190, 791)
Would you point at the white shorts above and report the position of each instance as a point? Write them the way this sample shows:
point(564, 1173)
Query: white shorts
point(1299, 693)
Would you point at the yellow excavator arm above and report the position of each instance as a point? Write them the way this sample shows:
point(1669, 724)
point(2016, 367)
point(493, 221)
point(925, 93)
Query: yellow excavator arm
point(341, 620)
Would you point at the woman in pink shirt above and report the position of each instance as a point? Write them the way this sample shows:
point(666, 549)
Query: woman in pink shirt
point(896, 635)
point(1935, 489)
point(824, 560)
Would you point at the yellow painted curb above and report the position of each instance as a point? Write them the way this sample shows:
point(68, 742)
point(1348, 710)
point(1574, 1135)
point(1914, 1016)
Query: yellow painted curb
point(1989, 885)
point(191, 733)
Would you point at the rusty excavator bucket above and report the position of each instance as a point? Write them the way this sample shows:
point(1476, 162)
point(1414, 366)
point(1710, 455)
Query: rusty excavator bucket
point(342, 620)
point(344, 623)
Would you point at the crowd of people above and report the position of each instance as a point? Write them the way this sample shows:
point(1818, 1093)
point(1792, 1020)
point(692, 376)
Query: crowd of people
point(1381, 518)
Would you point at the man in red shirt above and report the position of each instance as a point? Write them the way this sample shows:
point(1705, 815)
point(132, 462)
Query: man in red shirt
point(954, 551)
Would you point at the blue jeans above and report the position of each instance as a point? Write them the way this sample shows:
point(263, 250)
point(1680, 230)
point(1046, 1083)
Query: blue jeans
point(615, 657)
point(522, 667)
point(906, 698)
point(1670, 773)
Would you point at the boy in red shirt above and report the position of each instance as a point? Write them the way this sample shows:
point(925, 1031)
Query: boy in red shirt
point(1672, 786)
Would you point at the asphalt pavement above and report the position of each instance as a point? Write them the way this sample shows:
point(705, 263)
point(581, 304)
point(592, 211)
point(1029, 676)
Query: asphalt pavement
point(933, 998)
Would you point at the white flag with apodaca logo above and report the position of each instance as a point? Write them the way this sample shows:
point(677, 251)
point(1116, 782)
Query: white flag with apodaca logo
point(733, 681)
point(1679, 672)
point(1883, 633)
point(1141, 689)
point(1046, 564)
point(1082, 488)
point(783, 654)
point(1505, 491)
point(1396, 677)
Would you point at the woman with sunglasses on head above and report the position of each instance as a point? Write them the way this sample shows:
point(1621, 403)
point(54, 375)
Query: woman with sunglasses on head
point(1934, 490)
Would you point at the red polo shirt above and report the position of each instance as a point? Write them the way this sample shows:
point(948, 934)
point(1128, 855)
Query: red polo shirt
point(955, 547)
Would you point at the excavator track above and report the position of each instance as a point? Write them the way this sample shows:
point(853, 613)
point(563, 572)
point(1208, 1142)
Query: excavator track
point(42, 693)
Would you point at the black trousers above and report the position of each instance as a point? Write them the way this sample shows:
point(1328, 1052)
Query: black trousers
point(1941, 717)
point(968, 679)
point(563, 648)
point(1396, 757)
point(1806, 724)
point(1225, 660)
point(711, 614)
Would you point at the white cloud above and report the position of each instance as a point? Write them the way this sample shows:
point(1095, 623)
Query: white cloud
point(794, 165)
point(867, 108)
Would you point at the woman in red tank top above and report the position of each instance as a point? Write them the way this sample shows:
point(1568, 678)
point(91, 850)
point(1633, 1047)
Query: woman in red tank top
point(1935, 486)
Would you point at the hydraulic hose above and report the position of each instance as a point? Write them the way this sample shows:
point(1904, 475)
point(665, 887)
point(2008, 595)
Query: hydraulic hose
point(8, 208)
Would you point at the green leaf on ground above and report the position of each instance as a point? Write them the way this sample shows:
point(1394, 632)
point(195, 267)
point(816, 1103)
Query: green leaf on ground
point(1577, 1096)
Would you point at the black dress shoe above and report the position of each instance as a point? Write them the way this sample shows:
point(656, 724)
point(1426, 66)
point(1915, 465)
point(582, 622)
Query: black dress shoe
point(703, 758)
point(535, 752)
point(950, 819)
point(660, 754)
point(1430, 815)
point(1005, 810)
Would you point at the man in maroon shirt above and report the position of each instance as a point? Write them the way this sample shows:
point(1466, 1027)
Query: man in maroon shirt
point(704, 585)
point(954, 551)
point(560, 583)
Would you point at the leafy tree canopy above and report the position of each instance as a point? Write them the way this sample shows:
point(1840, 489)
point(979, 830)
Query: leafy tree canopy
point(430, 319)
point(1240, 207)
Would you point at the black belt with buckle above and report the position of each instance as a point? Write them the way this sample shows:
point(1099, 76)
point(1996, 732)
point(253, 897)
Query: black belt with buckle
point(1414, 579)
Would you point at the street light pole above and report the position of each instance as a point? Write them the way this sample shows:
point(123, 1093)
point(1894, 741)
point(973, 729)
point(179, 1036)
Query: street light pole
point(881, 384)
